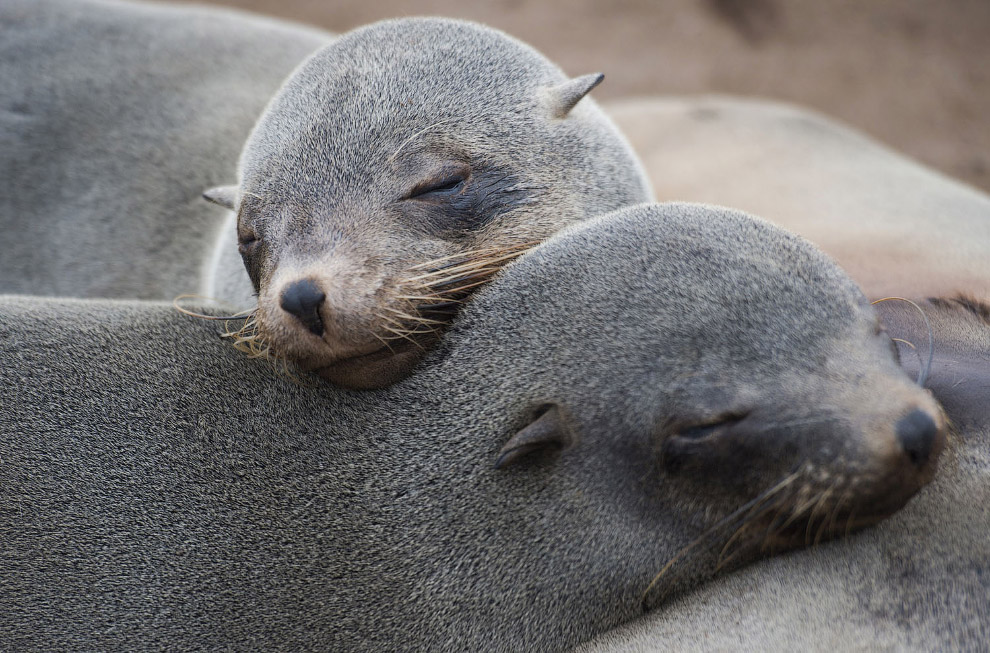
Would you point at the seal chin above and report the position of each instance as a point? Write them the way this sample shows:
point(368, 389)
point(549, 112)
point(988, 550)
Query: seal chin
point(373, 370)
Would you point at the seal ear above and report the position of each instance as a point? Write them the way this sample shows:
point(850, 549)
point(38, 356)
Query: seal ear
point(225, 196)
point(566, 95)
point(549, 430)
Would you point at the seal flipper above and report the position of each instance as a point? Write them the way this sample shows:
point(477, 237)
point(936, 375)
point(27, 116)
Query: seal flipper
point(226, 196)
point(548, 431)
point(568, 94)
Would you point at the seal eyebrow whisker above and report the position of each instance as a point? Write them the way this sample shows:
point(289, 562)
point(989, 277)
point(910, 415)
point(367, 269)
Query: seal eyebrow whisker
point(911, 345)
point(416, 135)
point(927, 366)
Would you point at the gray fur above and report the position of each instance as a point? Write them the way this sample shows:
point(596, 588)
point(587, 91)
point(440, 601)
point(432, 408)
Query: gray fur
point(161, 490)
point(113, 118)
point(335, 179)
point(916, 582)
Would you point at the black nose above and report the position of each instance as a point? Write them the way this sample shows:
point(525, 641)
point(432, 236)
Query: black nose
point(916, 432)
point(303, 299)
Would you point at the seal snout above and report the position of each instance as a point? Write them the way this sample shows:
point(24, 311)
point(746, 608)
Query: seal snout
point(917, 433)
point(304, 299)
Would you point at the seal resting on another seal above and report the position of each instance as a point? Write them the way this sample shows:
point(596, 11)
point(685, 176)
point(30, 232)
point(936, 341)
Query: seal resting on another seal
point(663, 389)
point(396, 170)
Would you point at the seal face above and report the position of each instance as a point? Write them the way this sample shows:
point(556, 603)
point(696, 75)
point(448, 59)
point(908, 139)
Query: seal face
point(399, 168)
point(758, 393)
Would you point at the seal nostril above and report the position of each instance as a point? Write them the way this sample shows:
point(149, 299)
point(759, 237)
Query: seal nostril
point(304, 299)
point(916, 432)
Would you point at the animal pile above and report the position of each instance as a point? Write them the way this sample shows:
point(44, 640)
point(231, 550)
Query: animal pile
point(518, 403)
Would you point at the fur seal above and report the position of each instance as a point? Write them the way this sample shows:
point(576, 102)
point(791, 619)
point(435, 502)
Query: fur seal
point(113, 118)
point(914, 582)
point(898, 227)
point(666, 384)
point(397, 169)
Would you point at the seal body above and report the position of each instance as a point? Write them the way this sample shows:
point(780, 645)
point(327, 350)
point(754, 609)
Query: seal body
point(113, 118)
point(641, 398)
point(394, 164)
point(898, 227)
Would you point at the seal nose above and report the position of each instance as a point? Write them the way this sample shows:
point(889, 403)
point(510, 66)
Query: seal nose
point(916, 432)
point(303, 299)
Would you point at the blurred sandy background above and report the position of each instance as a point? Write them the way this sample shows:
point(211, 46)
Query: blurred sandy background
point(913, 73)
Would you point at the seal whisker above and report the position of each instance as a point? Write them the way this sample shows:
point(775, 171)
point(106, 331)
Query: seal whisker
point(728, 519)
point(828, 516)
point(382, 340)
point(427, 298)
point(412, 318)
point(746, 526)
point(240, 315)
point(480, 263)
point(796, 513)
point(927, 365)
point(416, 135)
point(465, 273)
point(511, 251)
point(472, 280)
point(819, 502)
point(397, 331)
point(755, 513)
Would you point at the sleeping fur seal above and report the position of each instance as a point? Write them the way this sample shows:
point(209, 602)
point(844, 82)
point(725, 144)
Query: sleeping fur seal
point(896, 226)
point(113, 118)
point(396, 170)
point(915, 582)
point(663, 389)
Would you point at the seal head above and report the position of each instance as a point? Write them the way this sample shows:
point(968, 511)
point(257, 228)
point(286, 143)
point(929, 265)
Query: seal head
point(396, 170)
point(757, 395)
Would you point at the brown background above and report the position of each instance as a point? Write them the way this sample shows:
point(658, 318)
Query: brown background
point(913, 73)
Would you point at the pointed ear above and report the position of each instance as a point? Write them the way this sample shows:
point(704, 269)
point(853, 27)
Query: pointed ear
point(548, 431)
point(566, 95)
point(225, 196)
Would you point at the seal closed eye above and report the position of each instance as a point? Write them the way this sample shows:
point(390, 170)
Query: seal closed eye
point(397, 170)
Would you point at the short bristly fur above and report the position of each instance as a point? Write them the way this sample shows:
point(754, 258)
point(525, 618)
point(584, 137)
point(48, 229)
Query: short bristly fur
point(647, 392)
